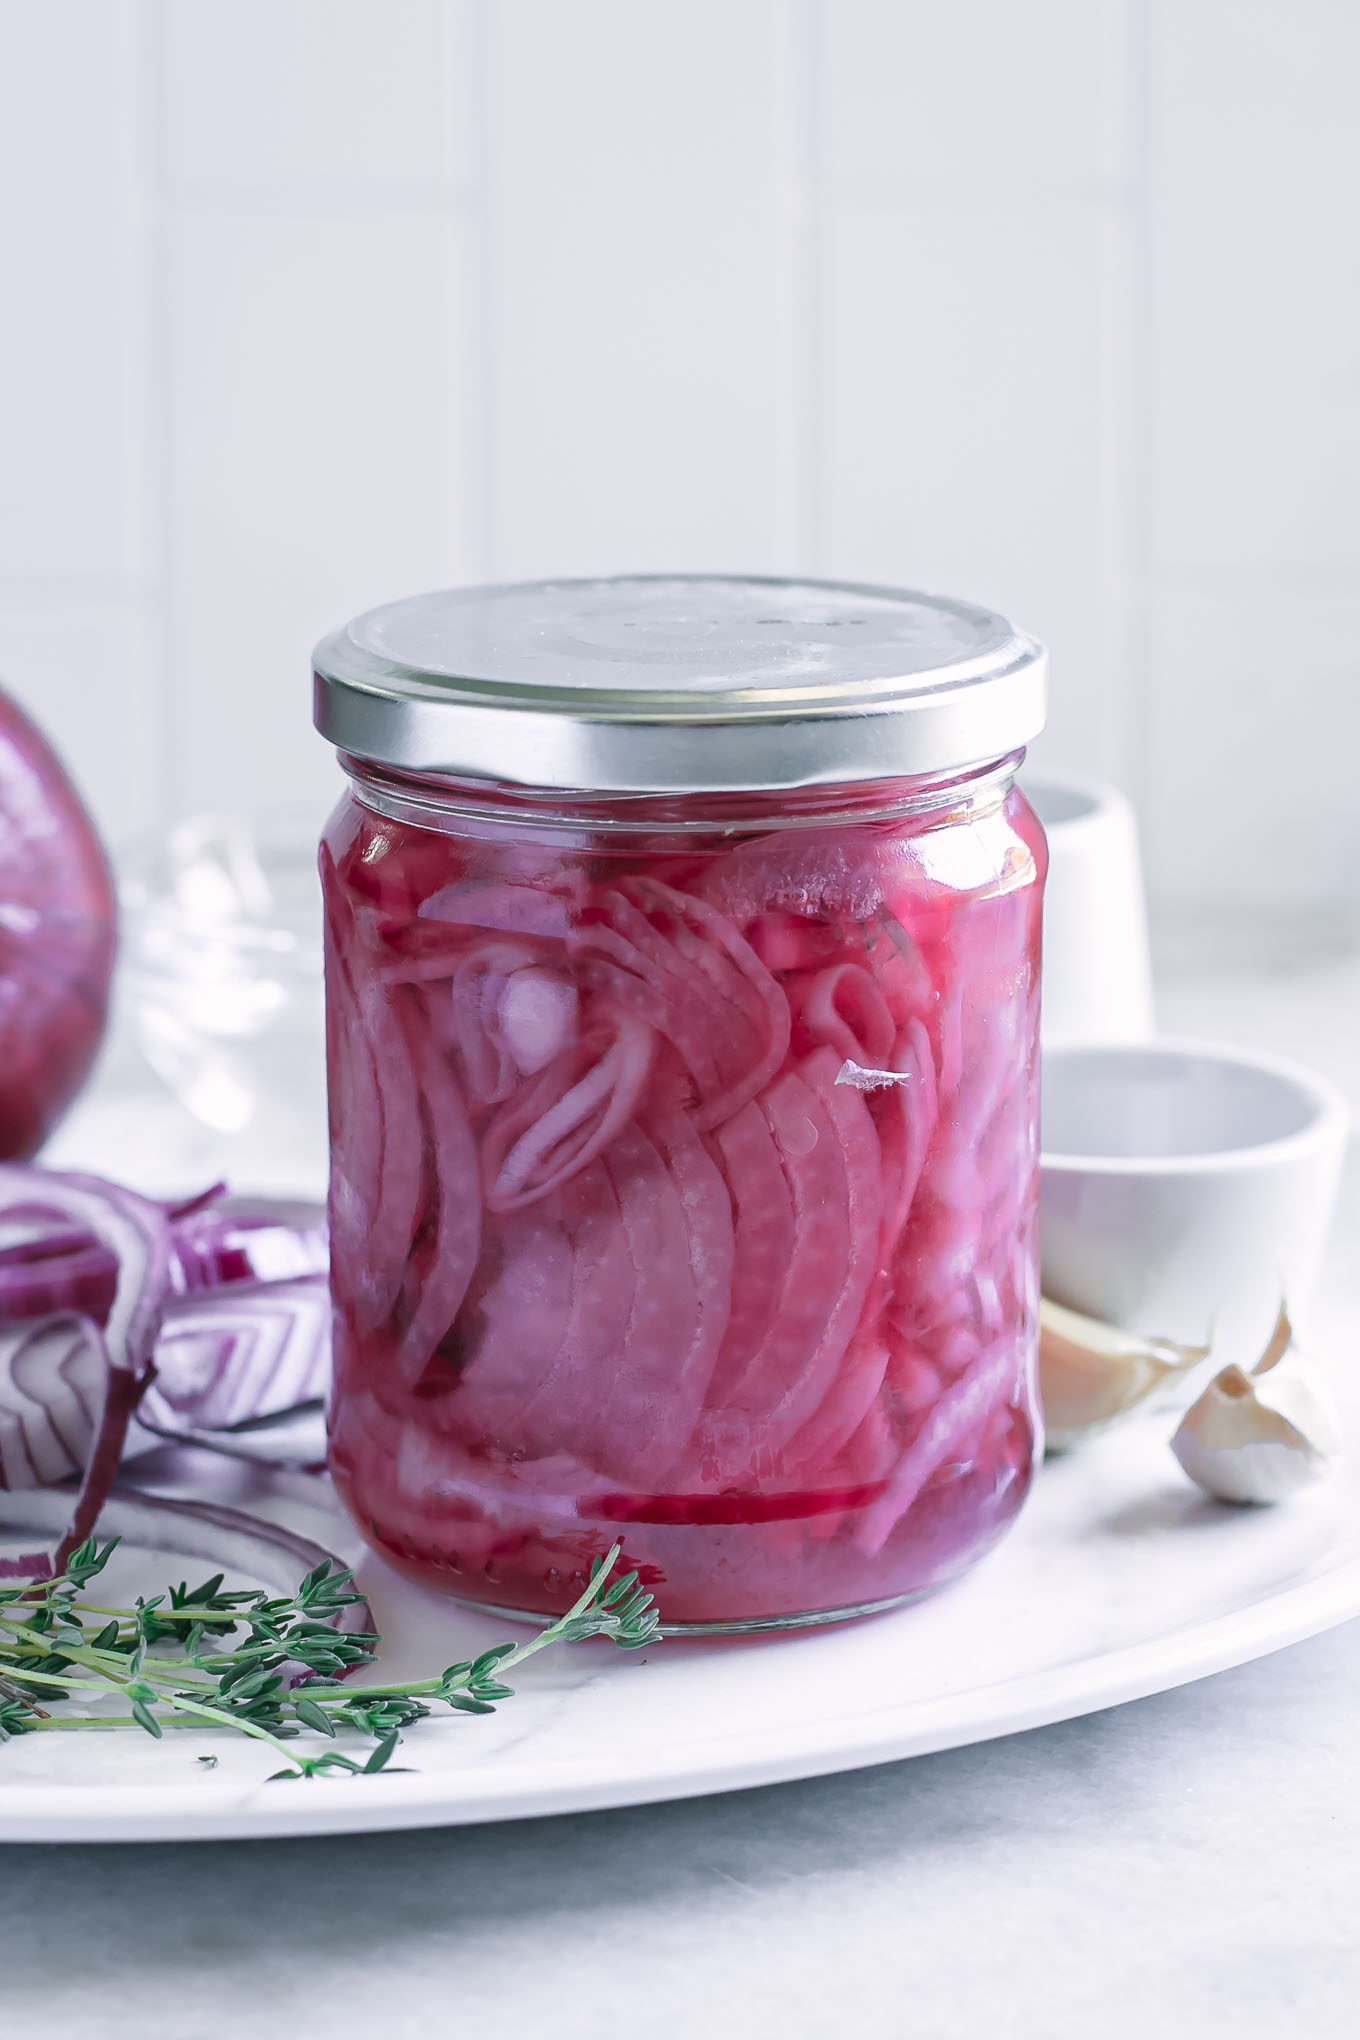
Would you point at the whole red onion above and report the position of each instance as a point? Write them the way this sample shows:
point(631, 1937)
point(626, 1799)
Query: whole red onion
point(57, 931)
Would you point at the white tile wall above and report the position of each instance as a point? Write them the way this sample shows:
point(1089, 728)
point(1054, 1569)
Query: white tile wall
point(1253, 364)
point(975, 97)
point(70, 205)
point(307, 472)
point(310, 95)
point(1011, 495)
point(305, 303)
point(631, 202)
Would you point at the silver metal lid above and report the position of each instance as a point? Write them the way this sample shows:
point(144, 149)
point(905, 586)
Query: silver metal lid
point(682, 683)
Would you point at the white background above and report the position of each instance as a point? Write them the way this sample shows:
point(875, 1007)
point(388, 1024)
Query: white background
point(306, 304)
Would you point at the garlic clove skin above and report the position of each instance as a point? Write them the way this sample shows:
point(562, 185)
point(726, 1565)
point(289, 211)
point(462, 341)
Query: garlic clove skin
point(1263, 1436)
point(1090, 1373)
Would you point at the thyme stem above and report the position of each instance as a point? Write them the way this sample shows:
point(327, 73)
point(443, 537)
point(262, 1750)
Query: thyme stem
point(177, 1662)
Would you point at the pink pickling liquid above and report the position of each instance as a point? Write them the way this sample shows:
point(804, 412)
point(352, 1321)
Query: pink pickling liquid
point(622, 1244)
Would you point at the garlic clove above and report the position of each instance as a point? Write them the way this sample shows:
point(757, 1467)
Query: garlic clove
point(1261, 1437)
point(1282, 1346)
point(1090, 1373)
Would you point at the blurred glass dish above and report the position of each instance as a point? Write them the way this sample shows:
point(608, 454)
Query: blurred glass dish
point(221, 985)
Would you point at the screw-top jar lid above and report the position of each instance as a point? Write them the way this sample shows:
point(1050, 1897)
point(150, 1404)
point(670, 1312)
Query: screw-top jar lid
point(680, 683)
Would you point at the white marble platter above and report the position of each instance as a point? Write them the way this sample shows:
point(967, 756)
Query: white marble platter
point(1119, 1581)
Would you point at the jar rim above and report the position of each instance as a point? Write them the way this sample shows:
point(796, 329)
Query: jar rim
point(454, 806)
point(680, 683)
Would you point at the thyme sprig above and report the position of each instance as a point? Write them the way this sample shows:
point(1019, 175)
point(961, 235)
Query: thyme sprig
point(272, 1668)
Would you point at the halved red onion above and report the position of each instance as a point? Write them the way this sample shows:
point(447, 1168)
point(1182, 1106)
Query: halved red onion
point(56, 937)
point(53, 1376)
point(137, 1233)
point(243, 1349)
point(254, 1349)
point(48, 1265)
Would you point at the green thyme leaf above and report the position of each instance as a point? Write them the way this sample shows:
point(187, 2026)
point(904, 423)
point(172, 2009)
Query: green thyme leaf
point(205, 1655)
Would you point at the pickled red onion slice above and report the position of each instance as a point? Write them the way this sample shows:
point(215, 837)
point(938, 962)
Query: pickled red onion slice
point(677, 1219)
point(537, 1017)
point(829, 1157)
point(906, 1116)
point(444, 1256)
point(396, 1212)
point(696, 980)
point(959, 1416)
point(564, 1409)
point(355, 1106)
point(900, 970)
point(844, 1007)
point(854, 1391)
point(631, 1302)
point(763, 1243)
point(524, 1313)
point(832, 875)
point(561, 1122)
point(478, 985)
point(517, 909)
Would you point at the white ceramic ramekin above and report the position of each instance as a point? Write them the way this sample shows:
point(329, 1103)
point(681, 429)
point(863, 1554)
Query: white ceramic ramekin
point(1097, 975)
point(1186, 1189)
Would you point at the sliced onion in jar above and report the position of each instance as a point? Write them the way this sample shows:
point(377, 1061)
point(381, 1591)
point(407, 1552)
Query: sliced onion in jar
point(694, 979)
point(560, 1123)
point(829, 1154)
point(435, 1278)
point(960, 1415)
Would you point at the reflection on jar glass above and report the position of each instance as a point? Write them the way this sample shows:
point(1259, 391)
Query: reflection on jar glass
point(684, 1141)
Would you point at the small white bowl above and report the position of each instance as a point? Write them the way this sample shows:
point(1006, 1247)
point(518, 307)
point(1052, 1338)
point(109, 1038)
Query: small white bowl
point(1097, 973)
point(1186, 1190)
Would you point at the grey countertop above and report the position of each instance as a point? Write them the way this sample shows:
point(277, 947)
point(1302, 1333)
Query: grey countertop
point(1181, 1866)
point(1184, 1865)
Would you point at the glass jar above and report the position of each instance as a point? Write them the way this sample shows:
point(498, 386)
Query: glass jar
point(683, 1124)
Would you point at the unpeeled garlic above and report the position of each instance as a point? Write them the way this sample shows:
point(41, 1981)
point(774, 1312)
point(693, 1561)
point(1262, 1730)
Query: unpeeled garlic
point(1262, 1436)
point(1089, 1373)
